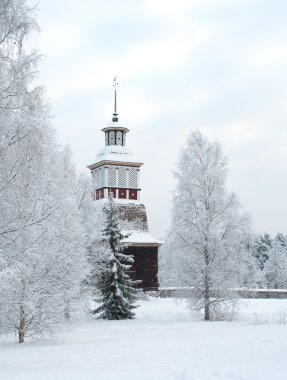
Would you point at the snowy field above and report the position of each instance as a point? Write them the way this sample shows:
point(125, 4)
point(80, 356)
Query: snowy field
point(164, 343)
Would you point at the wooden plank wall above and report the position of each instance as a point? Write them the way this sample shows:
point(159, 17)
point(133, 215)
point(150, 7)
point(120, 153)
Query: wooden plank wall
point(145, 267)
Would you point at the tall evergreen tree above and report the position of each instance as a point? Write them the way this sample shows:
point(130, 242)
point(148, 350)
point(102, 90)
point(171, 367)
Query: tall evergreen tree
point(262, 246)
point(281, 239)
point(118, 292)
point(275, 269)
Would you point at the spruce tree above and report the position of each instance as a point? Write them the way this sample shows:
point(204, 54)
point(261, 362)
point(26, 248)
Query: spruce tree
point(275, 269)
point(263, 244)
point(117, 290)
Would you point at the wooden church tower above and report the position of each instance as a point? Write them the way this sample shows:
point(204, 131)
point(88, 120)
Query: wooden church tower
point(116, 170)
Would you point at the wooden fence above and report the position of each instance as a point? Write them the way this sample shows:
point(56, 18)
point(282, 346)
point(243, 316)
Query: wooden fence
point(250, 293)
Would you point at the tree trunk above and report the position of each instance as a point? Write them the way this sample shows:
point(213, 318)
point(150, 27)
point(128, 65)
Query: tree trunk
point(206, 288)
point(206, 313)
point(206, 302)
point(21, 336)
point(67, 312)
point(21, 330)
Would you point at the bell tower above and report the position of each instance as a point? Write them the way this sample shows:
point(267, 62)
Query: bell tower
point(117, 170)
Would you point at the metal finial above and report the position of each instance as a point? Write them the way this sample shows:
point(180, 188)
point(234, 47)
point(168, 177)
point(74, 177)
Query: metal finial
point(115, 118)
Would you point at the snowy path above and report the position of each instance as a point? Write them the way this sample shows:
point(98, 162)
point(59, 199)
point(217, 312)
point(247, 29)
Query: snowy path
point(163, 343)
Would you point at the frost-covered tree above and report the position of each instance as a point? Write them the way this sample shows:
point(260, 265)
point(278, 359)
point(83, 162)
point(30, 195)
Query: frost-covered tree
point(275, 269)
point(208, 228)
point(168, 263)
point(43, 260)
point(262, 246)
point(281, 239)
point(98, 249)
point(42, 253)
point(117, 290)
point(92, 216)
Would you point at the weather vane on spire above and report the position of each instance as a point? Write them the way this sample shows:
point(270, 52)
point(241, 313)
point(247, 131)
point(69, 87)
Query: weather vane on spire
point(115, 118)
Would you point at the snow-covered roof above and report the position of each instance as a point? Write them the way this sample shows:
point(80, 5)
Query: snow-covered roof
point(133, 221)
point(115, 125)
point(140, 237)
point(132, 213)
point(116, 153)
point(99, 204)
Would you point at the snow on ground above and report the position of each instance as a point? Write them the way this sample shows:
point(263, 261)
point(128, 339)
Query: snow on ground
point(164, 343)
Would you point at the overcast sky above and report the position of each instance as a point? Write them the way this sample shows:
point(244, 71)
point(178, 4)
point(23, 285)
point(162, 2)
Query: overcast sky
point(216, 65)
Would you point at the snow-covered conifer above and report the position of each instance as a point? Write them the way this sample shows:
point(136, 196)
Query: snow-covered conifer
point(281, 239)
point(262, 246)
point(117, 290)
point(275, 269)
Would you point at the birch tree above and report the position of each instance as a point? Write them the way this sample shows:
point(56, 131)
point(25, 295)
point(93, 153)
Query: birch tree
point(208, 229)
point(42, 253)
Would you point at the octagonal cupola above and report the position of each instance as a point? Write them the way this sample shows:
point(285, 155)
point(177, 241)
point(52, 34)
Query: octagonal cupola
point(115, 134)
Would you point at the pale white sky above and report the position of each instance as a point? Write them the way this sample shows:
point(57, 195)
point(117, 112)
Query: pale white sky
point(219, 66)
